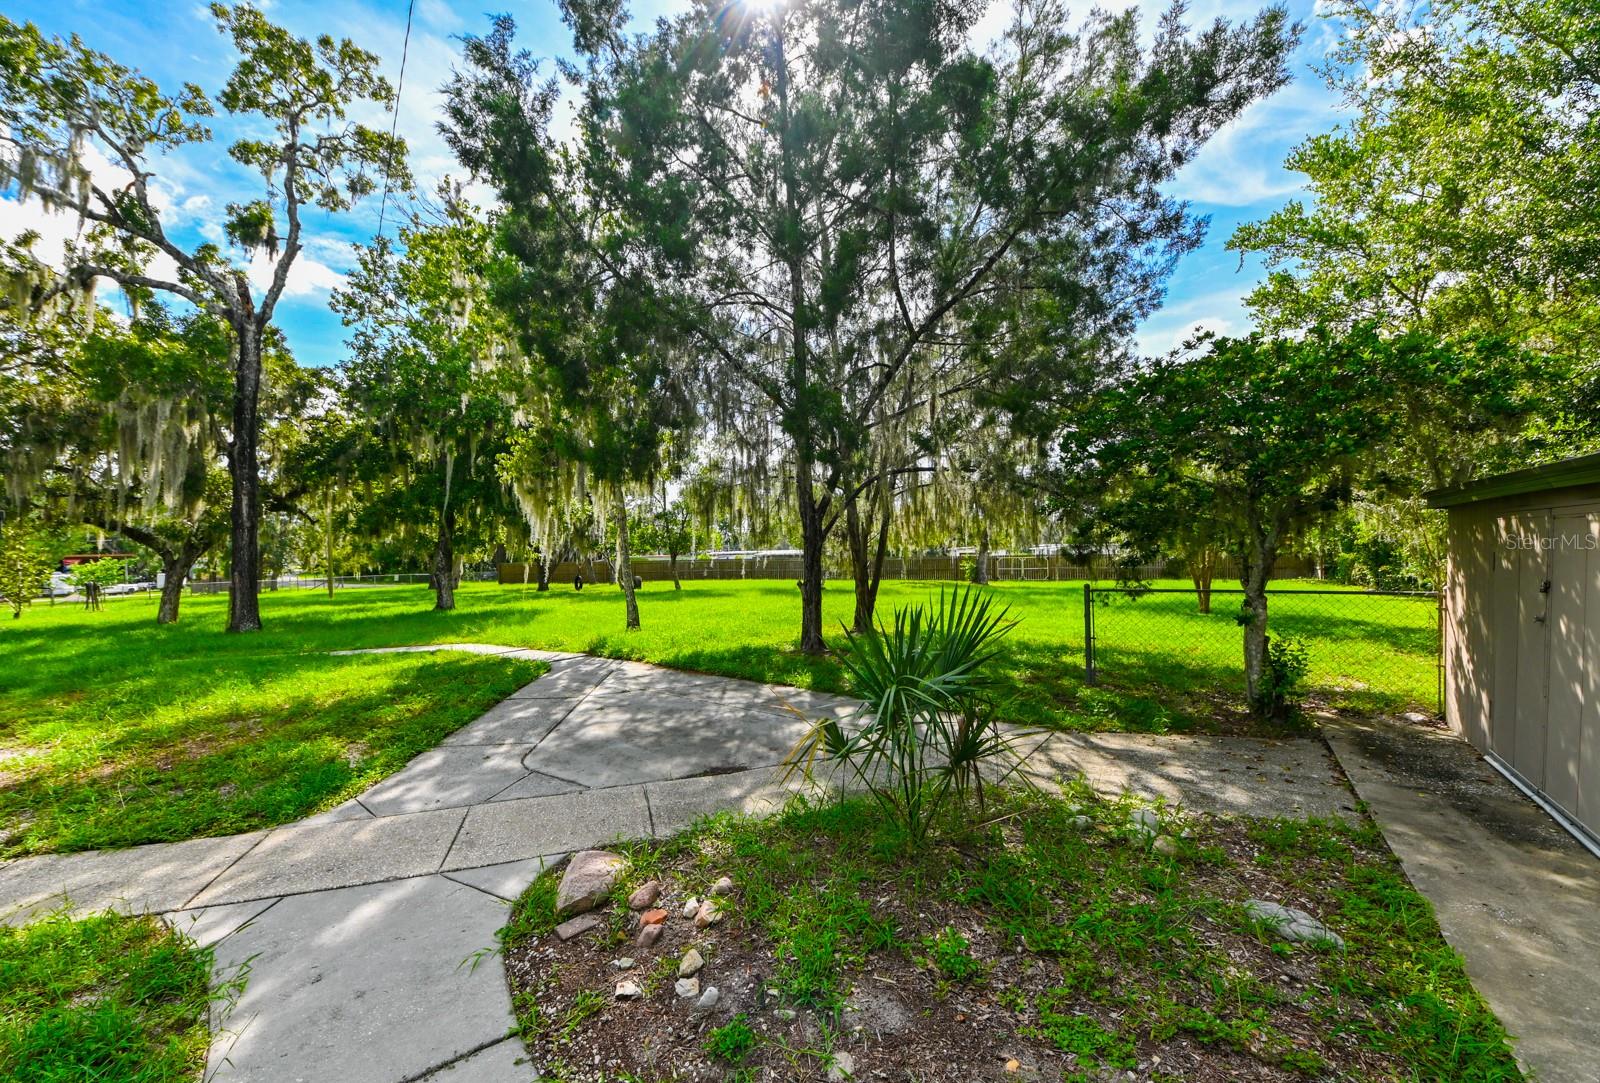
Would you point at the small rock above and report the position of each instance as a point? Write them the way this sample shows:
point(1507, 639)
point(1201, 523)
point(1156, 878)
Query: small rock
point(645, 895)
point(1013, 1065)
point(1145, 821)
point(691, 906)
point(687, 987)
point(1295, 926)
point(786, 1014)
point(648, 935)
point(580, 924)
point(653, 917)
point(1167, 846)
point(628, 990)
point(723, 886)
point(589, 878)
point(691, 964)
point(1080, 822)
point(624, 963)
point(708, 999)
point(843, 1067)
point(710, 913)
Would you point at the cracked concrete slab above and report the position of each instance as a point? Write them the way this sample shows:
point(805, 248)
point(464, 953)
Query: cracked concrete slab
point(352, 809)
point(1226, 775)
point(514, 722)
point(142, 879)
point(614, 741)
point(209, 925)
point(536, 785)
point(674, 805)
point(503, 1062)
point(534, 826)
point(567, 679)
point(377, 984)
point(294, 859)
point(448, 777)
point(508, 880)
point(1514, 893)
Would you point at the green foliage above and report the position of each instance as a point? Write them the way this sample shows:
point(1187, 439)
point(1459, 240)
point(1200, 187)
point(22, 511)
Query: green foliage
point(948, 951)
point(28, 553)
point(1283, 677)
point(732, 1041)
point(928, 729)
point(102, 573)
point(105, 997)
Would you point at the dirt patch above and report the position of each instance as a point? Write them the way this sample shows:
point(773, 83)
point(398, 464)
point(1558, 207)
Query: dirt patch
point(936, 985)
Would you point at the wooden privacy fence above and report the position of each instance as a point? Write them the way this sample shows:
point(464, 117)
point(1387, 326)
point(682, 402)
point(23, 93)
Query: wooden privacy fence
point(1003, 568)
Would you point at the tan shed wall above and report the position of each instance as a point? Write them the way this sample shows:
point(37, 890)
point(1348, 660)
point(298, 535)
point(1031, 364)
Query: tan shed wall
point(1522, 640)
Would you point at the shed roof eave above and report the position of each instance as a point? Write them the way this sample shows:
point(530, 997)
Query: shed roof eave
point(1584, 470)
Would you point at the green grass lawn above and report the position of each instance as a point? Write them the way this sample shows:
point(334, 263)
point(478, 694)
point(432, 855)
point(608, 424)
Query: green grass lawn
point(114, 731)
point(109, 998)
point(1044, 930)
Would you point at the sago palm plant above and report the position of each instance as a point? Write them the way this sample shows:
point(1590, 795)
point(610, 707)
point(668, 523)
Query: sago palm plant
point(926, 730)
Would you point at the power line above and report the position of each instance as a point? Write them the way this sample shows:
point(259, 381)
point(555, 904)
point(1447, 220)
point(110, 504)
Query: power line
point(394, 120)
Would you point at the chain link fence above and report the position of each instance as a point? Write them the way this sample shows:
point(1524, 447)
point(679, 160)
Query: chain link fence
point(1372, 650)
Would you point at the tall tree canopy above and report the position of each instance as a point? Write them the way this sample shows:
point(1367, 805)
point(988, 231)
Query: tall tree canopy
point(59, 97)
point(848, 191)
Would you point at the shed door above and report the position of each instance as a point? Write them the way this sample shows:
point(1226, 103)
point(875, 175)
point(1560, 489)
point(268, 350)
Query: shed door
point(1572, 745)
point(1521, 662)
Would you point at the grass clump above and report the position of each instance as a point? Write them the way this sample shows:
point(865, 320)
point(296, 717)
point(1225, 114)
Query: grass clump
point(733, 1041)
point(108, 998)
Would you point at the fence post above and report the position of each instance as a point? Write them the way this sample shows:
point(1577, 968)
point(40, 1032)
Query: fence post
point(1089, 676)
point(1439, 647)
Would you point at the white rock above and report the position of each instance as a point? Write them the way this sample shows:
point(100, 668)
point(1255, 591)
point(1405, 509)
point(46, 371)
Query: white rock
point(843, 1067)
point(710, 913)
point(627, 990)
point(708, 999)
point(622, 964)
point(723, 886)
point(687, 987)
point(691, 906)
point(691, 963)
point(1295, 926)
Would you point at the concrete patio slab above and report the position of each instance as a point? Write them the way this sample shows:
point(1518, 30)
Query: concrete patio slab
point(535, 826)
point(448, 777)
point(614, 741)
point(522, 722)
point(143, 879)
point(211, 924)
point(295, 859)
point(509, 880)
point(1226, 775)
point(1516, 895)
point(373, 984)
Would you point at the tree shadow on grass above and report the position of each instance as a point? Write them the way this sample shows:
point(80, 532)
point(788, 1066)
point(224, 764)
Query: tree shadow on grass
point(341, 725)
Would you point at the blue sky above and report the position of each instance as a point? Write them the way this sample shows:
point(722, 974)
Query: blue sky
point(1238, 178)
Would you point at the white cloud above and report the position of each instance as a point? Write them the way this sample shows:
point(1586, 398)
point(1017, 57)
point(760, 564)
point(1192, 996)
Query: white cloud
point(1221, 311)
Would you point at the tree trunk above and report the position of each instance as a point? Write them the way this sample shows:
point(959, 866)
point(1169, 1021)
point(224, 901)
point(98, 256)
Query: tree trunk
point(327, 523)
point(1202, 569)
point(980, 570)
point(813, 536)
point(866, 564)
point(244, 603)
point(1257, 574)
point(625, 561)
point(174, 569)
point(444, 564)
point(672, 563)
point(544, 573)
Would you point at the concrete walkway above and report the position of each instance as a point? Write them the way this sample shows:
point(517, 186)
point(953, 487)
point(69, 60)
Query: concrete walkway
point(367, 930)
point(1516, 895)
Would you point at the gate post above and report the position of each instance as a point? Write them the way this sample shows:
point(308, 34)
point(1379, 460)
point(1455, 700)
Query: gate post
point(1089, 674)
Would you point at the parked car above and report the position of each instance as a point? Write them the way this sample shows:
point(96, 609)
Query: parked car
point(127, 588)
point(60, 586)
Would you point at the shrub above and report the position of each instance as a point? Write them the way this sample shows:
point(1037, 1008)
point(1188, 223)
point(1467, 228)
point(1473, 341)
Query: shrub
point(732, 1041)
point(927, 730)
point(1283, 677)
